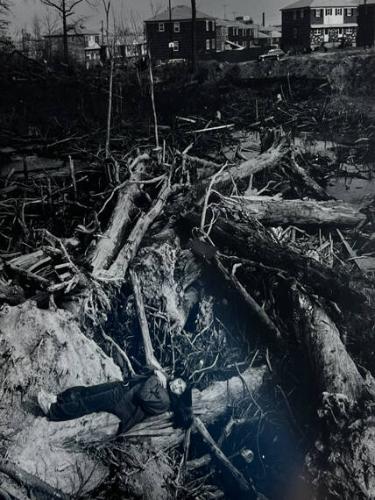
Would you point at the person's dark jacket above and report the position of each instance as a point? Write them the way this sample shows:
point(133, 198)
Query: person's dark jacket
point(143, 399)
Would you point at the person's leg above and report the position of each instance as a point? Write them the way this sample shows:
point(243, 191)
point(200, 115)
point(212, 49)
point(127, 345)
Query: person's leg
point(78, 401)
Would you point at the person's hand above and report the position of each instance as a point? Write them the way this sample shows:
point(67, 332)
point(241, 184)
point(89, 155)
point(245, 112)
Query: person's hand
point(162, 378)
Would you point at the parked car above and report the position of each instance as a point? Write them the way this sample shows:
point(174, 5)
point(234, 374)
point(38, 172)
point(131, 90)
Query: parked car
point(272, 54)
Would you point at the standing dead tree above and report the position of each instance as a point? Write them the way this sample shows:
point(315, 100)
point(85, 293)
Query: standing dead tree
point(65, 9)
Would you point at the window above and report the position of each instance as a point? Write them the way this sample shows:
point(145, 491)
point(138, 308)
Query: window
point(318, 31)
point(326, 31)
point(340, 31)
point(213, 44)
point(207, 44)
point(176, 46)
point(176, 27)
point(97, 39)
point(349, 12)
point(301, 13)
point(161, 27)
point(317, 13)
point(207, 25)
point(328, 12)
point(338, 12)
point(294, 15)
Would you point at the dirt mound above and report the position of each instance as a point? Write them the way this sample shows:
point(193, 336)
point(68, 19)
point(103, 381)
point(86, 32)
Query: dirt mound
point(44, 349)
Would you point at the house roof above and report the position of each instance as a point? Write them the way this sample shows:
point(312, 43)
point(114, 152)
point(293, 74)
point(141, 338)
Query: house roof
point(235, 24)
point(321, 3)
point(270, 31)
point(178, 13)
point(262, 35)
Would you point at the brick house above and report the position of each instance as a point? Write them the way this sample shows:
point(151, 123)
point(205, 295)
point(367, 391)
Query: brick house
point(366, 24)
point(169, 34)
point(307, 24)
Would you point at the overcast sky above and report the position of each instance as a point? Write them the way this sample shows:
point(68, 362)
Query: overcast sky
point(23, 11)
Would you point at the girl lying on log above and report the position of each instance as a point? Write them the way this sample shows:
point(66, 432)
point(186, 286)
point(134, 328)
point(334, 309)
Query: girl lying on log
point(132, 401)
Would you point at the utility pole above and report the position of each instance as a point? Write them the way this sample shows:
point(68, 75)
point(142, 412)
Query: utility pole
point(170, 29)
point(193, 36)
point(65, 31)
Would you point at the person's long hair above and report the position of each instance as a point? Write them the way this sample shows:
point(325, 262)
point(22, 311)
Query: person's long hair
point(182, 408)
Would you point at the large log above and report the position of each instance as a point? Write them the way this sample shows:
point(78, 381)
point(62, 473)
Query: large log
point(242, 240)
point(345, 458)
point(111, 241)
point(267, 160)
point(334, 370)
point(274, 212)
point(120, 265)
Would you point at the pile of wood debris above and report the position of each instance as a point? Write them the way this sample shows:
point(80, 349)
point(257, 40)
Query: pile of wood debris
point(145, 229)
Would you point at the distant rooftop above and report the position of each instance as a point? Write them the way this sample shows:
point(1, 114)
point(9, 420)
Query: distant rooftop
point(316, 4)
point(235, 23)
point(179, 13)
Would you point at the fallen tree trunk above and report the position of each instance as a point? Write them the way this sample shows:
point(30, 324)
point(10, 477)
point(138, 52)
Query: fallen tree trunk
point(111, 241)
point(267, 160)
point(334, 369)
point(120, 266)
point(272, 212)
point(244, 241)
point(345, 459)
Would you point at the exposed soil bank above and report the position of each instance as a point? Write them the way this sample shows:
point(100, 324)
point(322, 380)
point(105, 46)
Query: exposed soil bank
point(348, 71)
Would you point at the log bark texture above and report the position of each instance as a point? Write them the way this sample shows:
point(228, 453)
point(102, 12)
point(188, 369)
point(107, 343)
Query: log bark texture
point(345, 461)
point(119, 267)
point(267, 160)
point(273, 212)
point(111, 241)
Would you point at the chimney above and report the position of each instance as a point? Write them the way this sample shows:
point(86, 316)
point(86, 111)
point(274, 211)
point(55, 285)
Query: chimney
point(263, 19)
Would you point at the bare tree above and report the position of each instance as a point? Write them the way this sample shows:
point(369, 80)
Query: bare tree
point(156, 7)
point(4, 10)
point(36, 27)
point(65, 9)
point(50, 21)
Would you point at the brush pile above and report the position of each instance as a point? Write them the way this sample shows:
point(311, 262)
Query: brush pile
point(218, 255)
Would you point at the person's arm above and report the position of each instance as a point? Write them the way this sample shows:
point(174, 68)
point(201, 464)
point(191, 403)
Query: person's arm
point(152, 397)
point(162, 378)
